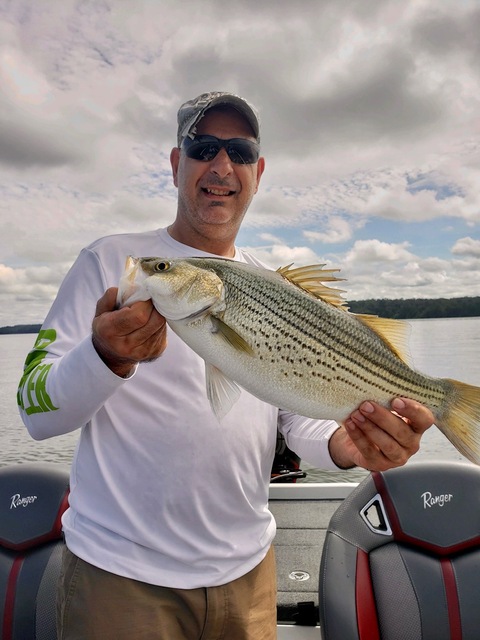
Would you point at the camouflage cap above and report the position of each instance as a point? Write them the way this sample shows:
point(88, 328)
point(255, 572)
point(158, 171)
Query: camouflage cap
point(191, 112)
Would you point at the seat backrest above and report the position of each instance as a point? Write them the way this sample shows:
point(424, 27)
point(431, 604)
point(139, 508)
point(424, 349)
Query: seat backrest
point(33, 498)
point(401, 559)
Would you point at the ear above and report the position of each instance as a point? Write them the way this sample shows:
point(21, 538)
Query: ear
point(260, 170)
point(174, 161)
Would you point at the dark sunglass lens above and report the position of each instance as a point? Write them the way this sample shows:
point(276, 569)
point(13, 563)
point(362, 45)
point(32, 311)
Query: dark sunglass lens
point(205, 151)
point(243, 152)
point(237, 156)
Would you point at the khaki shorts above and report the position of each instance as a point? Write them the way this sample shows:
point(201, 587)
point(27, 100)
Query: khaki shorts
point(98, 605)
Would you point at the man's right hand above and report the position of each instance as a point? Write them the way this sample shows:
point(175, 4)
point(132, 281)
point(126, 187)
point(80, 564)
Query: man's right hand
point(124, 337)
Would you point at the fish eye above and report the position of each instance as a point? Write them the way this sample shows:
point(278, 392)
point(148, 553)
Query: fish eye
point(164, 265)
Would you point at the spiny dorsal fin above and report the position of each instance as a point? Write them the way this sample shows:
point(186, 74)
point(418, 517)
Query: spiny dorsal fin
point(393, 332)
point(311, 279)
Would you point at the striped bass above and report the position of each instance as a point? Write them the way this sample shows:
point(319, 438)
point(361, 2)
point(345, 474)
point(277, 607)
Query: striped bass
point(289, 339)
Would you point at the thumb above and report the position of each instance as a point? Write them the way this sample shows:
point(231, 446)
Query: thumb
point(107, 302)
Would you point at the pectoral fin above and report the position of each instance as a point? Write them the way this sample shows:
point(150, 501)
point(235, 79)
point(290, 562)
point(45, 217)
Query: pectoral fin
point(231, 336)
point(221, 391)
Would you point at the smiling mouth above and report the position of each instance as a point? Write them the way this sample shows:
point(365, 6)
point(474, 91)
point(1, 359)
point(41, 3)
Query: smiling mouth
point(217, 192)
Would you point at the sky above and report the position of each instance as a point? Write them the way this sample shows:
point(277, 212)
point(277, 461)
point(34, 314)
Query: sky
point(370, 129)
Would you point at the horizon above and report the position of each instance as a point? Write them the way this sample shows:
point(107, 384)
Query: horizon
point(39, 323)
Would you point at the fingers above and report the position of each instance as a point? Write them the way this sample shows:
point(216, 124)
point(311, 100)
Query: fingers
point(124, 337)
point(377, 449)
point(138, 317)
point(417, 415)
point(384, 438)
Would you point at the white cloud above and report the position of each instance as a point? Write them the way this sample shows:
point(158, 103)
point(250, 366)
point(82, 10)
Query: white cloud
point(275, 253)
point(467, 247)
point(374, 251)
point(30, 291)
point(337, 230)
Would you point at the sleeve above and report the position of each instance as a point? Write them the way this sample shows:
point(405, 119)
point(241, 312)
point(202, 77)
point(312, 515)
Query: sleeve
point(308, 438)
point(64, 381)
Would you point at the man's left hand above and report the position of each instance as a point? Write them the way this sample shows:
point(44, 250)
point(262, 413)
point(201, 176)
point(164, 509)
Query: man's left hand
point(377, 438)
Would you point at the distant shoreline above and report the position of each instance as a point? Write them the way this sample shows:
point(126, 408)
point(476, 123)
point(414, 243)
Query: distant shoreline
point(20, 328)
point(402, 309)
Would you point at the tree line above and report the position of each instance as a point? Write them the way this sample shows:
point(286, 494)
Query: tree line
point(21, 328)
point(412, 308)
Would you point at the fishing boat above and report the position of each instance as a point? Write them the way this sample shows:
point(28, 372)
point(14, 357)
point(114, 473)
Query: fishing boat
point(390, 558)
point(33, 497)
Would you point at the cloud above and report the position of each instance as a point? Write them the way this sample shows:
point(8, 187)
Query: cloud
point(374, 251)
point(375, 269)
point(28, 130)
point(467, 247)
point(32, 290)
point(369, 128)
point(337, 230)
point(275, 253)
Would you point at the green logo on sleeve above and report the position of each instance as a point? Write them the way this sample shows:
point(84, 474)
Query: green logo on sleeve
point(32, 394)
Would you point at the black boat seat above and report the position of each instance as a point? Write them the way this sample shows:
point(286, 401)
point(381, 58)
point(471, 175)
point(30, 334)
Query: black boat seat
point(33, 497)
point(401, 559)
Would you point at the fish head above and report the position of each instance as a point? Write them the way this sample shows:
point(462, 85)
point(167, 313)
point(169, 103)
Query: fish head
point(179, 289)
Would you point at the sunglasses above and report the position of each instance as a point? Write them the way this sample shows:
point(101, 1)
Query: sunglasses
point(205, 148)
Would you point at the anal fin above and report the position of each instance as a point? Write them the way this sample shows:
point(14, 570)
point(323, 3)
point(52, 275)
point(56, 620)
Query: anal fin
point(222, 392)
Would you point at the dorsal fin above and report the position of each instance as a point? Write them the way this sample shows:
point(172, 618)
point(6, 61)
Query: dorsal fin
point(311, 279)
point(393, 332)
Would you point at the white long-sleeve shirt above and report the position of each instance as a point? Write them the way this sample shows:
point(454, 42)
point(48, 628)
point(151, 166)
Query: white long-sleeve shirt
point(161, 491)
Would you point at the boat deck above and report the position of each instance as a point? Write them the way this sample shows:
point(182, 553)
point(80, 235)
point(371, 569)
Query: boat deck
point(302, 512)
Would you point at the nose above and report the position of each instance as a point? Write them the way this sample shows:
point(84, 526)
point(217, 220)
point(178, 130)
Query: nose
point(221, 165)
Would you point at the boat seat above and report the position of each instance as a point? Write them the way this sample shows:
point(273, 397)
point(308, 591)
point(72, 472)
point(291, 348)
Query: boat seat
point(401, 559)
point(33, 497)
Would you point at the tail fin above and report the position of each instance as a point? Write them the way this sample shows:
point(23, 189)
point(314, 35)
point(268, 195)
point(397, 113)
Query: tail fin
point(461, 421)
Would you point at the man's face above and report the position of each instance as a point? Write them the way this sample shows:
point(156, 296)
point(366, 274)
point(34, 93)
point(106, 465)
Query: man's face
point(213, 196)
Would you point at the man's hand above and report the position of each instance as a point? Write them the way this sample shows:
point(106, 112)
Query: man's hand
point(124, 337)
point(377, 438)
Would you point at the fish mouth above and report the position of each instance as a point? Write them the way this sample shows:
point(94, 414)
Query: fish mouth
point(129, 286)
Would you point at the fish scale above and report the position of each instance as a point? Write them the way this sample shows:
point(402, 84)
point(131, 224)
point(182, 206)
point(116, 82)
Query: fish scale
point(288, 339)
point(303, 332)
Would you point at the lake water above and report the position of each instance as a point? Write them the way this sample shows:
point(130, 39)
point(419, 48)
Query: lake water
point(446, 347)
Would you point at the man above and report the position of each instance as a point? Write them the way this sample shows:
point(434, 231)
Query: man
point(168, 531)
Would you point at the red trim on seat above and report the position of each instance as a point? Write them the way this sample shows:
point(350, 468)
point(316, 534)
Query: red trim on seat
point(453, 605)
point(367, 621)
point(7, 626)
